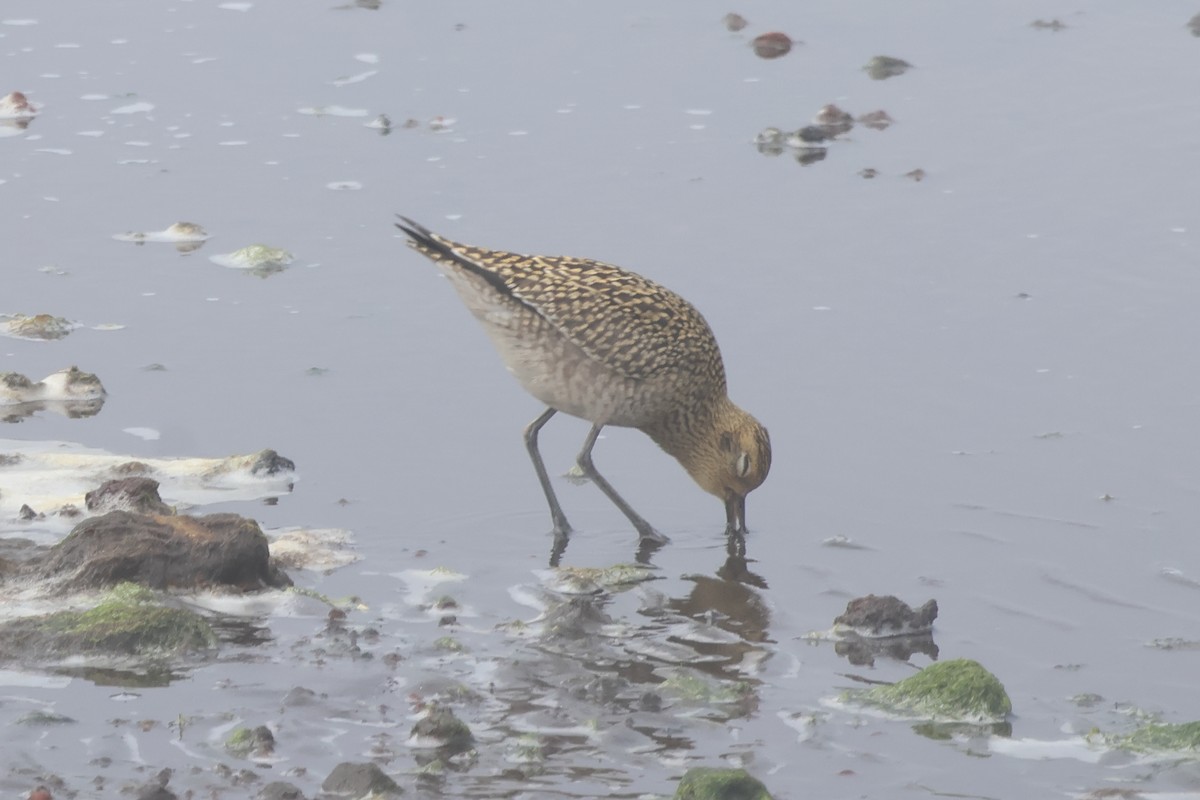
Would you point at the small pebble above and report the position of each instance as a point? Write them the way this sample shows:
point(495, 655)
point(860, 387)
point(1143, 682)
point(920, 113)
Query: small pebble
point(772, 45)
point(735, 22)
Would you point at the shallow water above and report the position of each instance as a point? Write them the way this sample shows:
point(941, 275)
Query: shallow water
point(982, 379)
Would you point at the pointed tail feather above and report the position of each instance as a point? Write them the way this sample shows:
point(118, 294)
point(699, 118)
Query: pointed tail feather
point(440, 249)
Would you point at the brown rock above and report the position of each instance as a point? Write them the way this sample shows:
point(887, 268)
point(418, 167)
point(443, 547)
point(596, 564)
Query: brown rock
point(160, 552)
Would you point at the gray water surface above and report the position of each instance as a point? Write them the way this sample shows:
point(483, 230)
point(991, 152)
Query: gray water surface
point(984, 380)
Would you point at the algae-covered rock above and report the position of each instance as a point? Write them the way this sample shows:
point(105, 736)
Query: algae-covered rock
point(127, 622)
point(884, 67)
point(440, 728)
point(958, 690)
point(360, 780)
point(1162, 737)
point(246, 742)
point(594, 580)
point(259, 259)
point(36, 326)
point(710, 783)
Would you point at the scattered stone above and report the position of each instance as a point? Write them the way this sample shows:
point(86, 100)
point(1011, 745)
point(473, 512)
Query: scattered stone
point(808, 135)
point(883, 67)
point(245, 742)
point(1054, 25)
point(769, 141)
point(886, 615)
point(868, 172)
point(877, 120)
point(440, 727)
point(44, 718)
point(382, 123)
point(156, 787)
point(15, 105)
point(710, 783)
point(186, 236)
point(74, 391)
point(138, 495)
point(735, 22)
point(917, 174)
point(811, 155)
point(772, 45)
point(359, 780)
point(280, 790)
point(258, 259)
point(43, 327)
point(833, 120)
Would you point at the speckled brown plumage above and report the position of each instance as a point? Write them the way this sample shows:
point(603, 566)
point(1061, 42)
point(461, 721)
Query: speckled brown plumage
point(610, 346)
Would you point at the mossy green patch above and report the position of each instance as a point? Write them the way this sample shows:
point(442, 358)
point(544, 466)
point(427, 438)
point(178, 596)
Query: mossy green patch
point(691, 688)
point(1162, 737)
point(960, 690)
point(127, 622)
point(709, 783)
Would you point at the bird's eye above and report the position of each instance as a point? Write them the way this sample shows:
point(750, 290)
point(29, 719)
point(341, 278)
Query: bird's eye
point(742, 465)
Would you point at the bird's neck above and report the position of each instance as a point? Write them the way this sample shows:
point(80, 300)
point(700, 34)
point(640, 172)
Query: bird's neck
point(688, 434)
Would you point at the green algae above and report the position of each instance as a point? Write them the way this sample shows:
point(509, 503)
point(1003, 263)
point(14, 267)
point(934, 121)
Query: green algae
point(711, 783)
point(127, 622)
point(1161, 737)
point(960, 690)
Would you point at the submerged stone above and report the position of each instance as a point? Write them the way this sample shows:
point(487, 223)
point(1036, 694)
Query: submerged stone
point(734, 22)
point(1162, 737)
point(360, 780)
point(137, 494)
point(260, 259)
point(128, 622)
point(37, 326)
point(280, 790)
point(885, 615)
point(244, 742)
point(710, 783)
point(882, 67)
point(958, 690)
point(440, 727)
point(772, 45)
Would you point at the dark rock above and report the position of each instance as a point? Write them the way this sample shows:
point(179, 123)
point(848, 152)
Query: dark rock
point(156, 788)
point(280, 790)
point(877, 120)
point(440, 724)
point(139, 495)
point(268, 462)
point(218, 550)
point(246, 742)
point(884, 67)
point(772, 45)
point(886, 615)
point(356, 780)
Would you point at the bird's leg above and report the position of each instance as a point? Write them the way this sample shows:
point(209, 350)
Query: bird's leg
point(561, 526)
point(644, 528)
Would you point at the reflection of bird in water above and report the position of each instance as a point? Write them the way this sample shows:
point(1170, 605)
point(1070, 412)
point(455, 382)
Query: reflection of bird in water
point(609, 346)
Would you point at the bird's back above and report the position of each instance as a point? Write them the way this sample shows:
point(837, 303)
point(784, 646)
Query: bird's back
point(625, 322)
